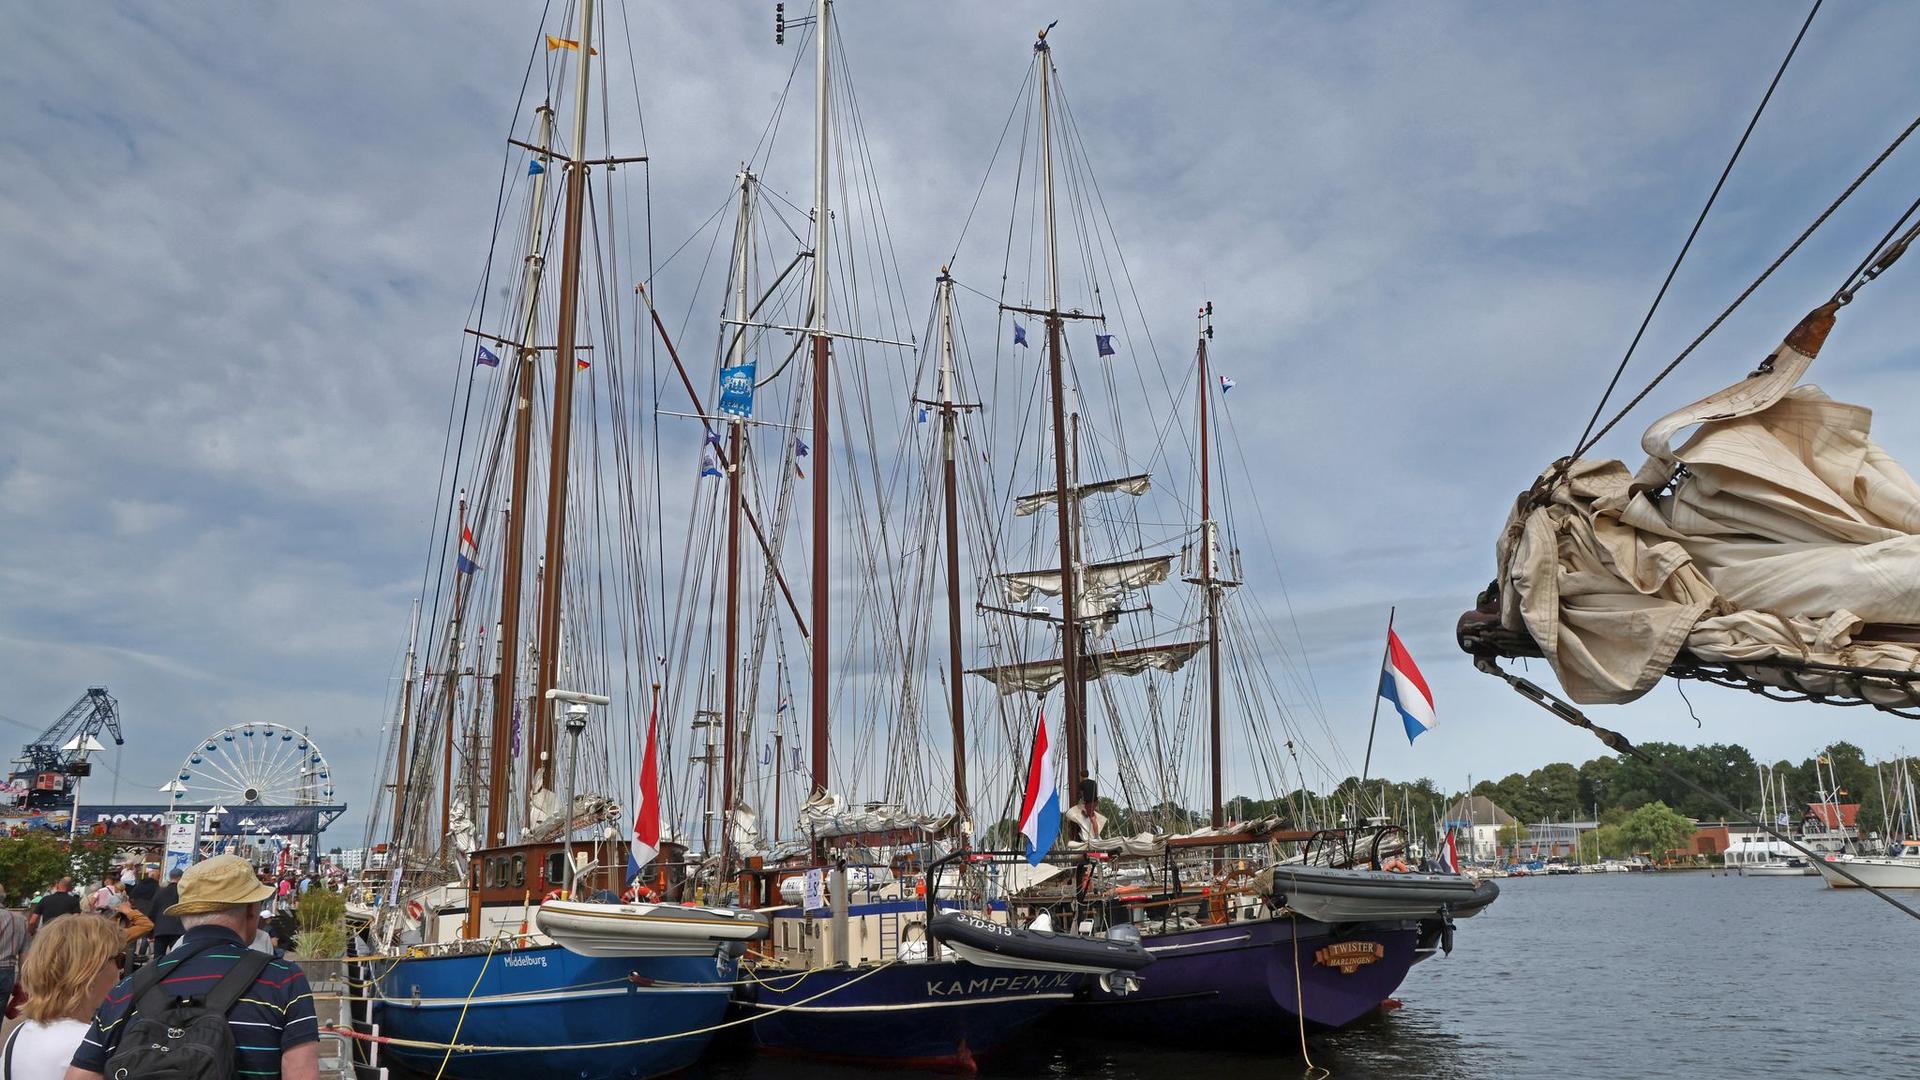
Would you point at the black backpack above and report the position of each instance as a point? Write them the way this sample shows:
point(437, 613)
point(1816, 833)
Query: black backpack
point(169, 1037)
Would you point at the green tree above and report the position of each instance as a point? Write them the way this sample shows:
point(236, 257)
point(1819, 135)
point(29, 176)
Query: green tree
point(37, 859)
point(1656, 829)
point(32, 862)
point(1511, 835)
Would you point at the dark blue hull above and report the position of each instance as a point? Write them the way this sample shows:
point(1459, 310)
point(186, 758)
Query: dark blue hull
point(1255, 980)
point(940, 1014)
point(547, 997)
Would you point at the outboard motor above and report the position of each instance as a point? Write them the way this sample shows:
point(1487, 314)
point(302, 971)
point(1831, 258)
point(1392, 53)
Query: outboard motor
point(1121, 983)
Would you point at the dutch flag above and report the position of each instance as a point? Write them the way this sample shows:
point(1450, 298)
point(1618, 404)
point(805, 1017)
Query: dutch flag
point(1402, 684)
point(1040, 811)
point(469, 559)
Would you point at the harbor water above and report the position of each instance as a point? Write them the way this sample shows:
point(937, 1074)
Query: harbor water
point(1594, 976)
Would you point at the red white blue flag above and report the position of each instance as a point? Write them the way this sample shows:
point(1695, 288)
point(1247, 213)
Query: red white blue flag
point(1040, 810)
point(1402, 684)
point(469, 559)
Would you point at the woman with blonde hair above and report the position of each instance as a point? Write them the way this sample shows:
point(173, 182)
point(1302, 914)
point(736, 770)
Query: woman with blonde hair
point(66, 974)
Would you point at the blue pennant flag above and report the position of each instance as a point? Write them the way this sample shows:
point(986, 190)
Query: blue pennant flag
point(1019, 335)
point(534, 168)
point(709, 467)
point(485, 358)
point(713, 438)
point(923, 414)
point(800, 448)
point(1105, 342)
point(736, 391)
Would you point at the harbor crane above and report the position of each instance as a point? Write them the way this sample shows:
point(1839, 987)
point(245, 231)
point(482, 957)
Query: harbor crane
point(50, 765)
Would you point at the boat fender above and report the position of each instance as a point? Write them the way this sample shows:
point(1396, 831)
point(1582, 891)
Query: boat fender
point(1446, 938)
point(415, 910)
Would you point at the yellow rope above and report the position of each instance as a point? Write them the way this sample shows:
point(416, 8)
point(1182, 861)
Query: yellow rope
point(461, 1022)
point(421, 1044)
point(1314, 1072)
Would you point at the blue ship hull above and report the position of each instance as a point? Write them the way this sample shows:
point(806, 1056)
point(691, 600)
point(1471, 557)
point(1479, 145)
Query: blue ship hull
point(940, 1014)
point(1253, 981)
point(547, 997)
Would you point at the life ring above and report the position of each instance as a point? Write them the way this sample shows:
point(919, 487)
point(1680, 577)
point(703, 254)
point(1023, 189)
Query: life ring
point(636, 893)
point(1394, 864)
point(415, 910)
point(556, 894)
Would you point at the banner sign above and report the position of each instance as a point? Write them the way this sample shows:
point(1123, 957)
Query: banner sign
point(183, 841)
point(736, 391)
point(241, 821)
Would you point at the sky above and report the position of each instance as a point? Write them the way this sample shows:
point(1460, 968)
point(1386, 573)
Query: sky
point(241, 240)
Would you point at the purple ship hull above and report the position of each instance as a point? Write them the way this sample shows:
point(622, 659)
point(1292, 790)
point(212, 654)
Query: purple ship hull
point(1237, 981)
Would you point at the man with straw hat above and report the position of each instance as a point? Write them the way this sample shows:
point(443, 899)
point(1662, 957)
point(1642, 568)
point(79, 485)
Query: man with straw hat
point(275, 1031)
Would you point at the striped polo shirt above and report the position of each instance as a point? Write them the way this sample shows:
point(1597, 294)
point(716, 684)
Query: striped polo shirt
point(273, 1016)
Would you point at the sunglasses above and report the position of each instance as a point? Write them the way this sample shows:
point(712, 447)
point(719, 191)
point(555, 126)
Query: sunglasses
point(119, 962)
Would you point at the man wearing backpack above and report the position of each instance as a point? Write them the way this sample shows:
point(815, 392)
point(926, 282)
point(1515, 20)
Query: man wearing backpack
point(211, 1009)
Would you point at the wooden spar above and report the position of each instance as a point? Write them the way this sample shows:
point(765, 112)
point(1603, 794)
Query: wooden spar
point(1207, 579)
point(513, 551)
point(822, 640)
point(949, 423)
point(1075, 721)
point(753, 520)
point(730, 652)
point(563, 371)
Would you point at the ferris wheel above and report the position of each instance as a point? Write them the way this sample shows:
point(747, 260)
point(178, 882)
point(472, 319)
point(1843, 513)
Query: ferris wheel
point(255, 764)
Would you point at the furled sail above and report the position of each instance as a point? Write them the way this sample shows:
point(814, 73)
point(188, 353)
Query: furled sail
point(1039, 676)
point(1125, 485)
point(1109, 577)
point(1778, 542)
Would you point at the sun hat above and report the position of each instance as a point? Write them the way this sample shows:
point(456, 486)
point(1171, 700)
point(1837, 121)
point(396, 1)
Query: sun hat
point(220, 882)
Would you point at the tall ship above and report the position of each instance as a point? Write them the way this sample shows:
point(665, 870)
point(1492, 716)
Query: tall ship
point(506, 932)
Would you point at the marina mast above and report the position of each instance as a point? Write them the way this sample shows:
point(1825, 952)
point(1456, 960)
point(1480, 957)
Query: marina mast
point(548, 658)
point(822, 638)
point(1076, 720)
point(736, 466)
point(512, 563)
point(949, 482)
point(1209, 534)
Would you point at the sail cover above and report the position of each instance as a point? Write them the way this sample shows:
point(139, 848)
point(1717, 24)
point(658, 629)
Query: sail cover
point(1102, 578)
point(1040, 676)
point(1773, 535)
point(1040, 500)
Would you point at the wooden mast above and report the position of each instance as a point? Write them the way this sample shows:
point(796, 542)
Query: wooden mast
point(404, 748)
point(452, 676)
point(950, 484)
point(822, 639)
point(1207, 575)
point(1075, 722)
point(736, 442)
point(563, 372)
point(513, 555)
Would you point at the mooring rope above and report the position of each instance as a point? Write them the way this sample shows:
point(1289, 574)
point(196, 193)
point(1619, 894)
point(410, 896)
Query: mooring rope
point(451, 1047)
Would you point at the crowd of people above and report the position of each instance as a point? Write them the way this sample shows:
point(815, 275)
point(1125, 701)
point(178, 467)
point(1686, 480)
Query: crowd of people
point(79, 969)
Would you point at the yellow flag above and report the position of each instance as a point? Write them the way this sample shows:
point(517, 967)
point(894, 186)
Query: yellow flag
point(565, 43)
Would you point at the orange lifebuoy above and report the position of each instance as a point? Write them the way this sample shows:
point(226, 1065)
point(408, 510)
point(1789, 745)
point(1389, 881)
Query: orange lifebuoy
point(415, 910)
point(637, 893)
